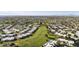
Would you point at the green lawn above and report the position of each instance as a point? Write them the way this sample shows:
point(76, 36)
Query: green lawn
point(36, 40)
point(52, 36)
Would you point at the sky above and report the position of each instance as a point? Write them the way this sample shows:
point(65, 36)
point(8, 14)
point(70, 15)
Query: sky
point(39, 13)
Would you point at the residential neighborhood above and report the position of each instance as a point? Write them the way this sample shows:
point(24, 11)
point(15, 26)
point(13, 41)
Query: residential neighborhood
point(39, 31)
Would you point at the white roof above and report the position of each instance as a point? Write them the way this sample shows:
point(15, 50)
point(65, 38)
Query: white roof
point(70, 43)
point(19, 36)
point(6, 31)
point(9, 26)
point(47, 45)
point(74, 38)
point(14, 29)
point(52, 30)
point(60, 39)
point(7, 38)
point(23, 35)
point(25, 30)
point(60, 34)
point(50, 43)
point(77, 33)
point(3, 35)
point(32, 30)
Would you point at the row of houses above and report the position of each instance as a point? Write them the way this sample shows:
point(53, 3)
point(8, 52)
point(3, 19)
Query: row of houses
point(60, 42)
point(67, 36)
point(22, 34)
point(64, 31)
point(28, 33)
point(10, 29)
point(8, 34)
point(8, 37)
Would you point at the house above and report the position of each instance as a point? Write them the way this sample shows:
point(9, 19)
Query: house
point(62, 40)
point(50, 43)
point(23, 35)
point(10, 35)
point(52, 30)
point(3, 35)
point(7, 31)
point(8, 39)
point(59, 34)
point(74, 38)
point(8, 27)
point(77, 33)
point(19, 36)
point(25, 30)
point(15, 30)
point(70, 43)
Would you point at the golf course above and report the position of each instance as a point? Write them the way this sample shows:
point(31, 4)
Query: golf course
point(36, 40)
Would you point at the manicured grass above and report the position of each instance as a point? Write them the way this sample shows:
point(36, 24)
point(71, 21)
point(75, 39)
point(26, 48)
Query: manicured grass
point(52, 36)
point(36, 40)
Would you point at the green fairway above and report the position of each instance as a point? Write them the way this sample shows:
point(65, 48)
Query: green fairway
point(37, 39)
point(52, 36)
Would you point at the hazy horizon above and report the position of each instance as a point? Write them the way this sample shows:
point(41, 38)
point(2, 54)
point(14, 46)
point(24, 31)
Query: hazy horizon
point(39, 13)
